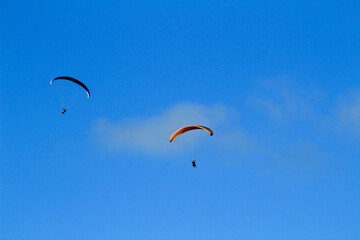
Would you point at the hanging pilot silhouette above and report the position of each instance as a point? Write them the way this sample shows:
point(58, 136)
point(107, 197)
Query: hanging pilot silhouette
point(193, 163)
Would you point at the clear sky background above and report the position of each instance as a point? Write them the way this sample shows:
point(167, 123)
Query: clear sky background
point(278, 82)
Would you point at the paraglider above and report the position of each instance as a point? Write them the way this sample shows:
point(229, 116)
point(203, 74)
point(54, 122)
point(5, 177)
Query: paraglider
point(62, 94)
point(189, 128)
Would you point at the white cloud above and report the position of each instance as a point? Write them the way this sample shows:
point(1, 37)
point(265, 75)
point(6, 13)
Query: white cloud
point(151, 135)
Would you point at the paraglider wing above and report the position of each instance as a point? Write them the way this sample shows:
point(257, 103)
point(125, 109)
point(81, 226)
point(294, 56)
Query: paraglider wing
point(189, 128)
point(74, 81)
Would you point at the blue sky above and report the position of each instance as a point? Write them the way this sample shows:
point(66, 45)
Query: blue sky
point(278, 82)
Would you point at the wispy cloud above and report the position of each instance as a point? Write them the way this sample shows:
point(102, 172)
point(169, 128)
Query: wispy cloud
point(347, 111)
point(285, 101)
point(293, 129)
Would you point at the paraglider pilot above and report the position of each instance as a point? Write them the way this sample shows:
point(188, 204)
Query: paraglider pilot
point(193, 163)
point(63, 110)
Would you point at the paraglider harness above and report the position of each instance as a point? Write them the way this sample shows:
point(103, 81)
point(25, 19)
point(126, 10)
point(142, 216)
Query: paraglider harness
point(63, 110)
point(193, 163)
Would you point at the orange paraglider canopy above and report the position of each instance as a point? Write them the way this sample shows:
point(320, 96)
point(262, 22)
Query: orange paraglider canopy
point(189, 128)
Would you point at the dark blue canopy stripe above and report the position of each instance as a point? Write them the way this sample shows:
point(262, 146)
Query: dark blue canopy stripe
point(72, 80)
